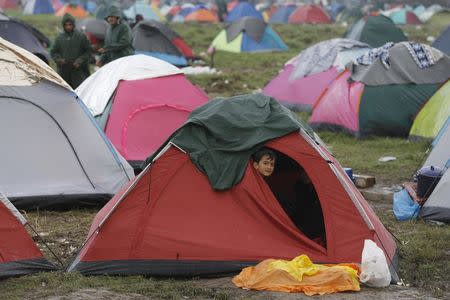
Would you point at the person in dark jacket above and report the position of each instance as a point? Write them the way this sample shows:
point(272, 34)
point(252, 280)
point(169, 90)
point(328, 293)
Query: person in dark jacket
point(71, 51)
point(118, 39)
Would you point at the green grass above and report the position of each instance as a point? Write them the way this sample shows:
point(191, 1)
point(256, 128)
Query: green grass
point(424, 251)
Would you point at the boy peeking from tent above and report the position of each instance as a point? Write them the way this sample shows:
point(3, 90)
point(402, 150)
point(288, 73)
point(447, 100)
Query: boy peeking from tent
point(296, 194)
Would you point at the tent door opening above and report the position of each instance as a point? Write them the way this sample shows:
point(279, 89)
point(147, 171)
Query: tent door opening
point(297, 195)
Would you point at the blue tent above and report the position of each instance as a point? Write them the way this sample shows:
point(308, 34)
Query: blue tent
point(282, 14)
point(443, 41)
point(248, 35)
point(243, 9)
point(334, 9)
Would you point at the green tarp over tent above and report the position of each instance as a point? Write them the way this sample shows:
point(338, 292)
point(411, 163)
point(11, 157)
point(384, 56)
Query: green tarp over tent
point(221, 135)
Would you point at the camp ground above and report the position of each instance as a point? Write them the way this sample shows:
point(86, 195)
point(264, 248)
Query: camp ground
point(222, 160)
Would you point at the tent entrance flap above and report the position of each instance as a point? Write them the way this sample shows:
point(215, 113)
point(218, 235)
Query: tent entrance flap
point(297, 196)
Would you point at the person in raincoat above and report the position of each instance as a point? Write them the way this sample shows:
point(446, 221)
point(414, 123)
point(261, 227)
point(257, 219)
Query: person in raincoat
point(71, 51)
point(118, 39)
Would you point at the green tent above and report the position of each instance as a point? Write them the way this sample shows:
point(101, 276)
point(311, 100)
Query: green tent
point(433, 115)
point(375, 31)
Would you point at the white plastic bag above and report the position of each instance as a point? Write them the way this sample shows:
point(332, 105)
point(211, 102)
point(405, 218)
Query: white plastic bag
point(374, 267)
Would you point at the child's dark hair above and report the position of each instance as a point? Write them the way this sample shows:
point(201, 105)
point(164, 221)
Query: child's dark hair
point(264, 151)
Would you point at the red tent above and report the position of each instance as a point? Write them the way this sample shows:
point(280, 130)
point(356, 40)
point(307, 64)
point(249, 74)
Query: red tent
point(169, 221)
point(309, 14)
point(19, 255)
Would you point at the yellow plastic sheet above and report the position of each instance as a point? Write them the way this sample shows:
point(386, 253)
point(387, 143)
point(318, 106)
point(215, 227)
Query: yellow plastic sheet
point(299, 275)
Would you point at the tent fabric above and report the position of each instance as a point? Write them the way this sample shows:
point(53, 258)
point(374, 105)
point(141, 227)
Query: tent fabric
point(243, 42)
point(321, 56)
point(216, 143)
point(253, 27)
point(19, 255)
point(438, 155)
point(149, 12)
point(9, 4)
point(375, 31)
point(98, 88)
point(442, 42)
point(33, 7)
point(437, 207)
point(156, 39)
point(305, 77)
point(309, 14)
point(146, 112)
point(403, 16)
point(201, 15)
point(75, 10)
point(403, 69)
point(21, 68)
point(23, 36)
point(433, 115)
point(71, 161)
point(281, 16)
point(363, 110)
point(241, 10)
point(170, 222)
point(141, 113)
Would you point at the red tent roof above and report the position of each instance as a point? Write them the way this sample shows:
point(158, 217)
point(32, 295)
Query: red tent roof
point(310, 14)
point(169, 221)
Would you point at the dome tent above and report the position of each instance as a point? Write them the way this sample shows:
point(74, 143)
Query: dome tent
point(305, 77)
point(248, 35)
point(375, 31)
point(442, 42)
point(382, 96)
point(433, 115)
point(242, 10)
point(25, 36)
point(67, 158)
point(309, 14)
point(204, 236)
point(158, 40)
point(139, 101)
point(20, 255)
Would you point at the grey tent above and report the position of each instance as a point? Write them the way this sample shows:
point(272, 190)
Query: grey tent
point(443, 41)
point(52, 152)
point(158, 40)
point(25, 36)
point(437, 207)
point(440, 153)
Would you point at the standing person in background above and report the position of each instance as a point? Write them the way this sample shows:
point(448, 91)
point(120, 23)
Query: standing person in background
point(221, 9)
point(71, 51)
point(118, 39)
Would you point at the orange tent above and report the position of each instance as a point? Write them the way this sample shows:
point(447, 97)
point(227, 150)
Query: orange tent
point(201, 15)
point(75, 10)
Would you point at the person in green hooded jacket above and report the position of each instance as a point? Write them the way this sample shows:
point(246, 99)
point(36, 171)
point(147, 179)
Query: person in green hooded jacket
point(118, 39)
point(71, 51)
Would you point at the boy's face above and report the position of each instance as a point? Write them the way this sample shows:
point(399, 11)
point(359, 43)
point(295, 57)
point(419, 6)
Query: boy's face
point(112, 20)
point(265, 166)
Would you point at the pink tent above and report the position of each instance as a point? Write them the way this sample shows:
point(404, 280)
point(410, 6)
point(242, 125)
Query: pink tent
point(339, 105)
point(139, 101)
point(305, 77)
point(299, 94)
point(146, 112)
